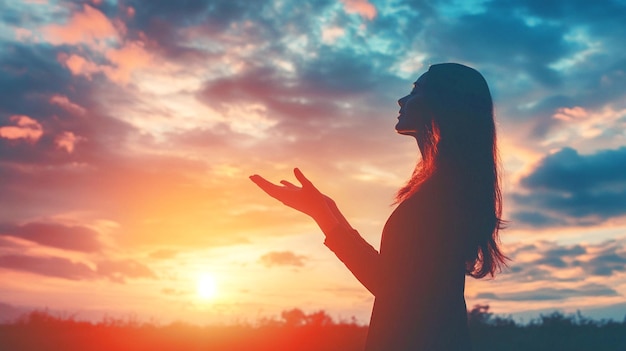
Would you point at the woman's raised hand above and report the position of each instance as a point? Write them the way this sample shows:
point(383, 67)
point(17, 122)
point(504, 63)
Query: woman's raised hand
point(306, 199)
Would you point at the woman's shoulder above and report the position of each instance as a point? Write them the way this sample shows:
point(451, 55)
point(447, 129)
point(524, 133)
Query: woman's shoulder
point(439, 205)
point(438, 189)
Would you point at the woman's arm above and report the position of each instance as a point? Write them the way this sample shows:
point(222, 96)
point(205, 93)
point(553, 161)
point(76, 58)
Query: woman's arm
point(359, 256)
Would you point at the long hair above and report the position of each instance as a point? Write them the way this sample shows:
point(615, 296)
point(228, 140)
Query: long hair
point(458, 140)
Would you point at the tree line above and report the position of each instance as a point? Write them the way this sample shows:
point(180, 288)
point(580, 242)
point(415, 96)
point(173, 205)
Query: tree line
point(296, 330)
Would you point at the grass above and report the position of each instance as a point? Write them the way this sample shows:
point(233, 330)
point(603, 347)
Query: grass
point(298, 331)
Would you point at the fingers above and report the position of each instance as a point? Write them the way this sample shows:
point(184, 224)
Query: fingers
point(287, 189)
point(265, 185)
point(257, 179)
point(289, 185)
point(301, 178)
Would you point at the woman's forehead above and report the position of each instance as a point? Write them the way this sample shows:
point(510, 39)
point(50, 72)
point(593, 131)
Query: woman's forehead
point(420, 80)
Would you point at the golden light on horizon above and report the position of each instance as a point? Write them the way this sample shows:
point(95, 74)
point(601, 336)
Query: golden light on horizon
point(206, 286)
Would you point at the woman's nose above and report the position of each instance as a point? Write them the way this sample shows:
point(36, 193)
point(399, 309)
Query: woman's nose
point(401, 101)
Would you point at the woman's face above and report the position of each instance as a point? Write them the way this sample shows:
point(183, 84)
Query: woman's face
point(412, 109)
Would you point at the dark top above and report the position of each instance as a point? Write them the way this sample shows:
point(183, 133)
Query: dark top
point(418, 278)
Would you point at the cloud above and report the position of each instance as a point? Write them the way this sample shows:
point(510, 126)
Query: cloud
point(151, 114)
point(6, 243)
point(68, 105)
point(34, 84)
point(591, 129)
point(79, 65)
point(29, 76)
point(174, 292)
point(129, 58)
point(503, 33)
point(148, 196)
point(121, 62)
point(89, 26)
point(536, 219)
point(267, 95)
point(163, 254)
point(569, 188)
point(118, 270)
point(282, 258)
point(109, 50)
point(74, 238)
point(554, 61)
point(325, 94)
point(48, 266)
point(59, 267)
point(24, 128)
point(552, 262)
point(361, 7)
point(605, 259)
point(169, 26)
point(547, 294)
point(67, 141)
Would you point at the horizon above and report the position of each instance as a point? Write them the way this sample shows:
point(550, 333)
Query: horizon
point(128, 131)
point(14, 314)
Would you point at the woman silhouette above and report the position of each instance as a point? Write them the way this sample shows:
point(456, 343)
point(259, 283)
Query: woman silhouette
point(444, 227)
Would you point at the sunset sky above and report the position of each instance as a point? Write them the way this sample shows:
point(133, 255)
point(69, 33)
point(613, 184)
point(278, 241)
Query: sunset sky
point(128, 130)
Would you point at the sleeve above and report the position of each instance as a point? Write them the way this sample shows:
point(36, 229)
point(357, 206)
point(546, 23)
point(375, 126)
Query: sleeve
point(358, 255)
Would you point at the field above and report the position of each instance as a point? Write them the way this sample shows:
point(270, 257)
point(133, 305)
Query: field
point(296, 330)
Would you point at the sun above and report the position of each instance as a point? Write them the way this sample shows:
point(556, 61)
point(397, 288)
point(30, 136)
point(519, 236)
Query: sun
point(206, 286)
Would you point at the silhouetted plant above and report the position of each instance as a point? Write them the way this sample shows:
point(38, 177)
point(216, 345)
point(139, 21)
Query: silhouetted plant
point(294, 317)
point(479, 315)
point(296, 330)
point(319, 319)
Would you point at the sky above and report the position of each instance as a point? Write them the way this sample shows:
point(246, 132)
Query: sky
point(128, 130)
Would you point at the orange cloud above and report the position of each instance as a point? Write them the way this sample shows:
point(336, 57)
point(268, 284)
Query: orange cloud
point(25, 128)
point(23, 34)
point(78, 65)
point(89, 26)
point(569, 114)
point(361, 7)
point(67, 141)
point(331, 34)
point(282, 258)
point(125, 60)
point(131, 57)
point(66, 104)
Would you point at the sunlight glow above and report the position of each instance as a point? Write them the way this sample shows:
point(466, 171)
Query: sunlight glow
point(206, 286)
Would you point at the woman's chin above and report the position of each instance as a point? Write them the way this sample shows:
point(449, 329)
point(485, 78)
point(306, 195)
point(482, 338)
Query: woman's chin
point(404, 131)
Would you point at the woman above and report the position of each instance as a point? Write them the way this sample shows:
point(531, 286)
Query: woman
point(444, 227)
